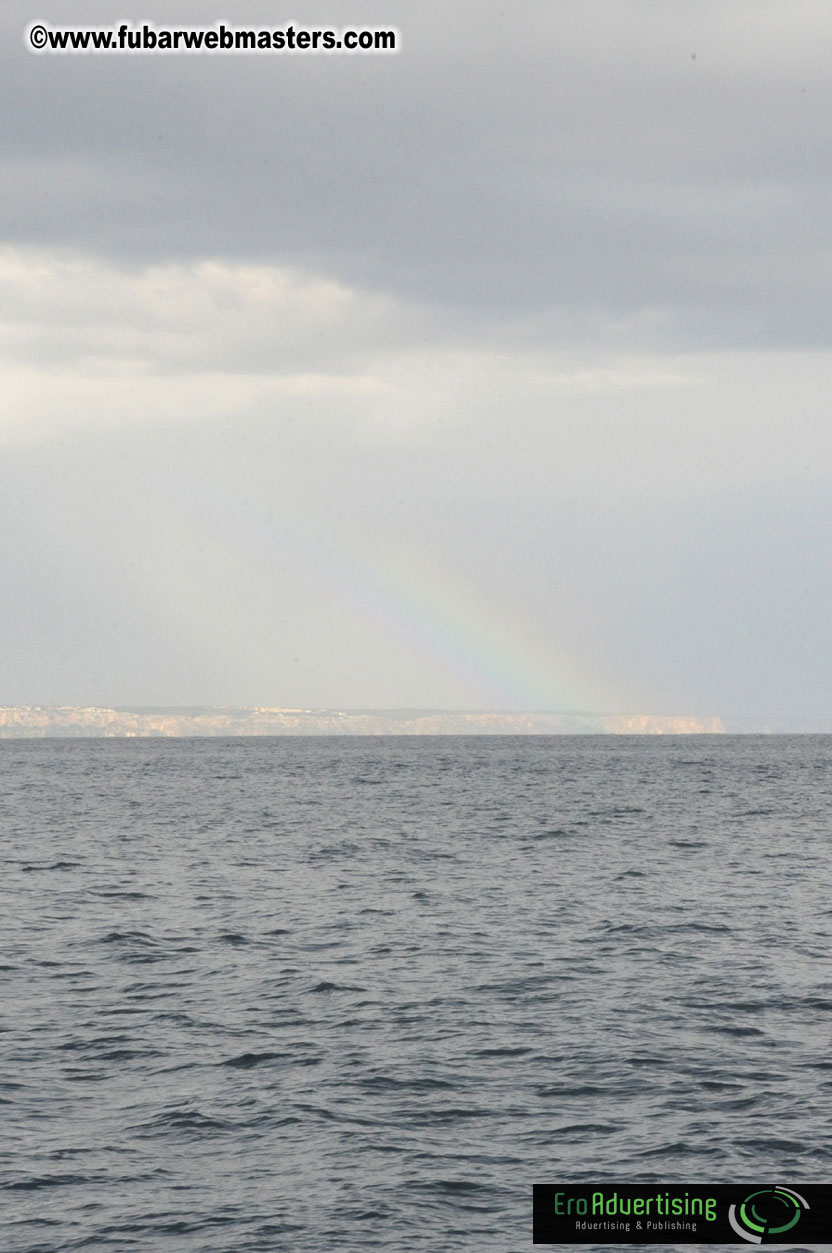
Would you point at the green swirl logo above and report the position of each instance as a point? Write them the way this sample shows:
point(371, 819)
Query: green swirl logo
point(766, 1215)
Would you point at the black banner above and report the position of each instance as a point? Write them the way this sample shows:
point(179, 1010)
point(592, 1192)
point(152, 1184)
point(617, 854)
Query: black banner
point(682, 1213)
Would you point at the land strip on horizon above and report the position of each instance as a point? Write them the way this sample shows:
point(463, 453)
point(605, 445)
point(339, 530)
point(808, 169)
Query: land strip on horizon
point(48, 721)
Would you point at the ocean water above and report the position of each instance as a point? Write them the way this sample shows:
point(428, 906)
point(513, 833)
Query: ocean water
point(359, 994)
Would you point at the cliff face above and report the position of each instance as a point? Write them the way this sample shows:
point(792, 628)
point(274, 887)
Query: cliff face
point(39, 721)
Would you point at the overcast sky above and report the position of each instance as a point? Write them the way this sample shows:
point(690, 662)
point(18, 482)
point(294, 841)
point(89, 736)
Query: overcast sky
point(493, 374)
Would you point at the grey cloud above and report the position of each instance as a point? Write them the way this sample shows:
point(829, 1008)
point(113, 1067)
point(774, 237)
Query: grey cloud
point(313, 363)
point(570, 166)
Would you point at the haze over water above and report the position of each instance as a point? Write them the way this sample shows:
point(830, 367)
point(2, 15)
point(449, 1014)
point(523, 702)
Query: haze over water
point(360, 994)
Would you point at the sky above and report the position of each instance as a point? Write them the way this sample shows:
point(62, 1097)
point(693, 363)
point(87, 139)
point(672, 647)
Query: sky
point(491, 374)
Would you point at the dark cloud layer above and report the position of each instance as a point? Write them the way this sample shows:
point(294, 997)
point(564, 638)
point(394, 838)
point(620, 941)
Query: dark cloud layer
point(634, 171)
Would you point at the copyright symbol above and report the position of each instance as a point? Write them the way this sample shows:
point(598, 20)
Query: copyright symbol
point(38, 36)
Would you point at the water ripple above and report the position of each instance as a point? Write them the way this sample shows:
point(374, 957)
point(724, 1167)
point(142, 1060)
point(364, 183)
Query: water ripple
point(310, 994)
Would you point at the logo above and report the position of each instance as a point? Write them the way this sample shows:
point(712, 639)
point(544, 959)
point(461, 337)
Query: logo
point(620, 1213)
point(766, 1215)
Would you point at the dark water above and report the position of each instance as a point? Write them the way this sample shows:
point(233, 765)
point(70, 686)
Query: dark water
point(320, 994)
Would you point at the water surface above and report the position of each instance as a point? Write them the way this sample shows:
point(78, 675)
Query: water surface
point(312, 994)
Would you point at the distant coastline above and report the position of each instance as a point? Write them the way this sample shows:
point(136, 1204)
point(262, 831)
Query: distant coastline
point(71, 721)
point(171, 722)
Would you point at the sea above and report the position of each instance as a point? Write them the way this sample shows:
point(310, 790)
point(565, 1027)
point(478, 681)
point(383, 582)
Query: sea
point(324, 994)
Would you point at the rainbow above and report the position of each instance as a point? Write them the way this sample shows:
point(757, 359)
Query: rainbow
point(494, 654)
